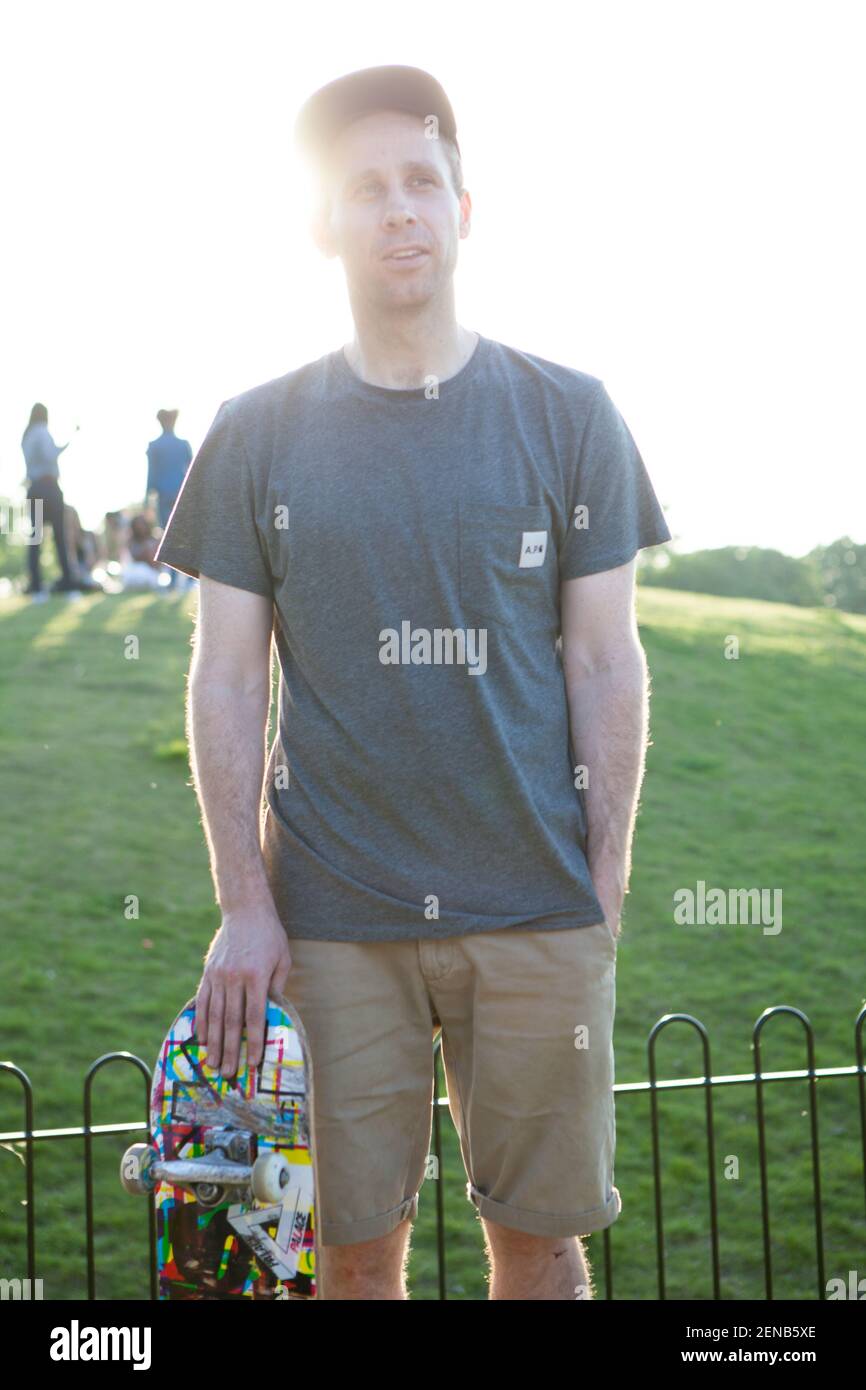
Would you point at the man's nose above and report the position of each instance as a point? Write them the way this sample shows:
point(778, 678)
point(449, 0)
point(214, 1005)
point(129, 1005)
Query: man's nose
point(398, 212)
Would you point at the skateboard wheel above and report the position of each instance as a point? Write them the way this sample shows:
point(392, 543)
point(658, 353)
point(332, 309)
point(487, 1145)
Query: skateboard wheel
point(135, 1169)
point(271, 1176)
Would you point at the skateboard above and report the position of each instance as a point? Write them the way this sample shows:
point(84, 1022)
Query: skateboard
point(230, 1165)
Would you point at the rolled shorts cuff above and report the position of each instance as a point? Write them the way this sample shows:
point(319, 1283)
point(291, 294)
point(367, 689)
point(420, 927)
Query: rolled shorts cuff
point(351, 1232)
point(542, 1223)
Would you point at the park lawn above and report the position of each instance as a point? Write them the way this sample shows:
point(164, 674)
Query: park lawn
point(754, 780)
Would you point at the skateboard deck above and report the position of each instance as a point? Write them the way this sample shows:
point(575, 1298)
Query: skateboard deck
point(231, 1167)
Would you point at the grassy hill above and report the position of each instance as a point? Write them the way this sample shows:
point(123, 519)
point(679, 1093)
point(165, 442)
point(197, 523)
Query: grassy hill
point(755, 779)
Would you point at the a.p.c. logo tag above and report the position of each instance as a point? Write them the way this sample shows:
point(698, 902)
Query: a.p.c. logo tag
point(533, 548)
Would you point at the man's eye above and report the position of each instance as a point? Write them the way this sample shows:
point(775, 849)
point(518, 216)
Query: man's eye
point(373, 183)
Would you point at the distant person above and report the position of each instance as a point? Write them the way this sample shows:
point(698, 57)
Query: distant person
point(139, 569)
point(43, 482)
point(142, 543)
point(168, 458)
point(82, 550)
point(114, 527)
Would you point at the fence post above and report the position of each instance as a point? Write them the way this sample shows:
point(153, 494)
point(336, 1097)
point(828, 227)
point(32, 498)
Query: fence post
point(762, 1146)
point(88, 1165)
point(28, 1166)
point(711, 1155)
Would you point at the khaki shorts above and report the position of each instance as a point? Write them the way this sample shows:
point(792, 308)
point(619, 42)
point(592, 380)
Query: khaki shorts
point(527, 1044)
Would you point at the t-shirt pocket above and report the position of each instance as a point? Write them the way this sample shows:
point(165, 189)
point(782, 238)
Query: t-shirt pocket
point(505, 561)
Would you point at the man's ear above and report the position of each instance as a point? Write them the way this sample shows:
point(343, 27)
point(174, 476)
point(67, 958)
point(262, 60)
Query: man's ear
point(320, 231)
point(465, 214)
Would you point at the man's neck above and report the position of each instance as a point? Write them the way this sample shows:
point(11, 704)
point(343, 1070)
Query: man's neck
point(406, 359)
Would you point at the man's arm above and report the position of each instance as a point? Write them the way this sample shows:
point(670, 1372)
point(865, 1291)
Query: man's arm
point(606, 685)
point(227, 718)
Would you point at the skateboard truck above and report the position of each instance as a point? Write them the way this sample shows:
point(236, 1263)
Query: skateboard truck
point(227, 1163)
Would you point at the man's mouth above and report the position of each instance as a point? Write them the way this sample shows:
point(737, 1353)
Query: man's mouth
point(415, 254)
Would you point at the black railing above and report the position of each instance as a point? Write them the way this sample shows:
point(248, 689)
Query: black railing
point(654, 1087)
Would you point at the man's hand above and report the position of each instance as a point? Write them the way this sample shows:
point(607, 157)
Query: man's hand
point(607, 881)
point(248, 957)
point(612, 908)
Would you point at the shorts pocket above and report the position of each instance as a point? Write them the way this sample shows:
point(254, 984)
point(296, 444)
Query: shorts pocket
point(494, 584)
point(610, 941)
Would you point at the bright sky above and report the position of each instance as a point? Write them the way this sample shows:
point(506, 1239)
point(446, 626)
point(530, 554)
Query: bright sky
point(666, 195)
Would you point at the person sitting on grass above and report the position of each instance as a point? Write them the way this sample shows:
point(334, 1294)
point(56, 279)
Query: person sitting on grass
point(140, 570)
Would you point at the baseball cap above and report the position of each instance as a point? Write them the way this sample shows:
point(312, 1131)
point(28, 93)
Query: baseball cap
point(389, 88)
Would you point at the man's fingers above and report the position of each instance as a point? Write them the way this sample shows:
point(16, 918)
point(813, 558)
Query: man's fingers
point(202, 1000)
point(233, 1022)
point(255, 1010)
point(216, 1013)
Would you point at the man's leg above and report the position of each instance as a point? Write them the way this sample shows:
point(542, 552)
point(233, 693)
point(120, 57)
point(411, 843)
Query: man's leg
point(535, 1267)
point(527, 1044)
point(367, 1017)
point(54, 505)
point(372, 1269)
point(34, 494)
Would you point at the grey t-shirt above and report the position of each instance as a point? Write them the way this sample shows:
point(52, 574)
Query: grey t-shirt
point(421, 780)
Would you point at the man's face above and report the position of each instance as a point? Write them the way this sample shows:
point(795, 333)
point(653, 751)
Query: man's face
point(390, 187)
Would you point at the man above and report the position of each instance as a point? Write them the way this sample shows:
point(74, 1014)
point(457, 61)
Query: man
point(167, 461)
point(419, 517)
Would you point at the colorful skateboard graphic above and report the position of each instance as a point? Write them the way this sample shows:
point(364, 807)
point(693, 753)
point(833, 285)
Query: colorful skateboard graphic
point(231, 1167)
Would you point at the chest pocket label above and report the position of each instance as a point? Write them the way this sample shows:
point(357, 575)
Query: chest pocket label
point(503, 575)
point(533, 548)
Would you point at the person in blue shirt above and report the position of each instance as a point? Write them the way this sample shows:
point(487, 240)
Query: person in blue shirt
point(168, 458)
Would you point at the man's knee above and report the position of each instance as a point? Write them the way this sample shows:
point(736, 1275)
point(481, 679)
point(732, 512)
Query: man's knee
point(378, 1253)
point(363, 1249)
point(508, 1240)
point(368, 1268)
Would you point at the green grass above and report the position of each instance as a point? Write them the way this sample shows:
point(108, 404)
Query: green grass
point(754, 780)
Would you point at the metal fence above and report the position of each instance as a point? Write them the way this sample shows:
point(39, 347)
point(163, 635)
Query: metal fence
point(654, 1087)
